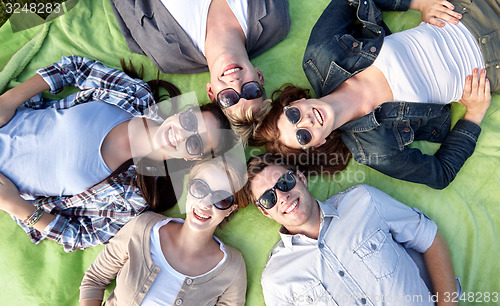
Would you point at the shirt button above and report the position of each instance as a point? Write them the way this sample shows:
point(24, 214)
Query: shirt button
point(365, 2)
point(374, 247)
point(144, 289)
point(498, 66)
point(189, 281)
point(355, 44)
point(484, 41)
point(321, 245)
point(406, 130)
point(309, 300)
point(373, 49)
point(341, 273)
point(178, 302)
point(363, 301)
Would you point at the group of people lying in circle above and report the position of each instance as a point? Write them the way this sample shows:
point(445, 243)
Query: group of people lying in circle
point(376, 93)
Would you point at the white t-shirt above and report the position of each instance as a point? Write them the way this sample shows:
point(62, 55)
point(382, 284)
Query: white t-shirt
point(192, 17)
point(168, 282)
point(429, 64)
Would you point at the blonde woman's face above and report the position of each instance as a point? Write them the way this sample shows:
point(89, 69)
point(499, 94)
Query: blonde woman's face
point(214, 183)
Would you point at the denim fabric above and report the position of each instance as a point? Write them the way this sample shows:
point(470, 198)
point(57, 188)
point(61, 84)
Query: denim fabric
point(338, 47)
point(380, 140)
point(482, 18)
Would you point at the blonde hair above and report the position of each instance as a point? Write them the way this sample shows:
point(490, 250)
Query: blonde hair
point(246, 122)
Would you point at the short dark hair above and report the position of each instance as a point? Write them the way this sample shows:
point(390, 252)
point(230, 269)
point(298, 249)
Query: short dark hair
point(256, 165)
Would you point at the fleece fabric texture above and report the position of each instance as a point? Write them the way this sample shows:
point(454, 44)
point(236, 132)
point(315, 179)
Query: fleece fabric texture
point(467, 212)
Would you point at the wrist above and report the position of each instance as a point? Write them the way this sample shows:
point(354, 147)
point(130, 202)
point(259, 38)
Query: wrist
point(474, 117)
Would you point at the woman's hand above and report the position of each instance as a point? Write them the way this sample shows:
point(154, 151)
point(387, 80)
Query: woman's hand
point(435, 11)
point(476, 96)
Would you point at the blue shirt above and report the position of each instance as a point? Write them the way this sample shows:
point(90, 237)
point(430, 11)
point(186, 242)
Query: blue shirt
point(359, 257)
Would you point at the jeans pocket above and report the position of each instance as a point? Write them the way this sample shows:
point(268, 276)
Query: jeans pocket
point(314, 294)
point(378, 254)
point(404, 133)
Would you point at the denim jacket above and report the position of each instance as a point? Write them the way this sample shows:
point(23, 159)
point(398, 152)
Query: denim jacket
point(380, 140)
point(345, 40)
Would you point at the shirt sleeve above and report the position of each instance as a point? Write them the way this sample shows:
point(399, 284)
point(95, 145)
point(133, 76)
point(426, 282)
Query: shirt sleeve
point(90, 218)
point(235, 293)
point(438, 170)
point(408, 226)
point(96, 81)
point(107, 265)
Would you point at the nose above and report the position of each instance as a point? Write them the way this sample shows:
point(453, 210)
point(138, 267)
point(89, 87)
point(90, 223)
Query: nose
point(282, 196)
point(182, 135)
point(307, 120)
point(206, 202)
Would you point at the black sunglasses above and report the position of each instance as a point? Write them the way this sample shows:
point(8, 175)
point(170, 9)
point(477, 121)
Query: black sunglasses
point(285, 183)
point(221, 199)
point(293, 115)
point(188, 121)
point(249, 91)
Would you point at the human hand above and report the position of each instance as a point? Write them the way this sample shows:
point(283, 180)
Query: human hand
point(476, 96)
point(435, 11)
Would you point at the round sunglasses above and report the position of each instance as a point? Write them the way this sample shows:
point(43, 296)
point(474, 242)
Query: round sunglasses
point(293, 115)
point(249, 91)
point(188, 121)
point(285, 183)
point(221, 199)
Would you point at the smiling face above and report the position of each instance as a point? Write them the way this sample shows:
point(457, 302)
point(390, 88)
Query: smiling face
point(201, 214)
point(294, 208)
point(171, 136)
point(233, 73)
point(316, 118)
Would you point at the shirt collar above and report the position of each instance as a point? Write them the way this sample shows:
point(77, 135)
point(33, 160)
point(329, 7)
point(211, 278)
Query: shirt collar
point(326, 211)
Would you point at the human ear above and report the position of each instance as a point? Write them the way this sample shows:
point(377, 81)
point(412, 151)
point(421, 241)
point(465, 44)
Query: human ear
point(320, 144)
point(210, 92)
point(260, 75)
point(233, 208)
point(302, 177)
point(264, 212)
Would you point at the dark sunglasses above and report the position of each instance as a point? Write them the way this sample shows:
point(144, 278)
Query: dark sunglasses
point(221, 199)
point(293, 115)
point(249, 91)
point(188, 121)
point(285, 183)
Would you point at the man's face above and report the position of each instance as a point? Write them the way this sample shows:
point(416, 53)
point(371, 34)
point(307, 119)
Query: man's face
point(293, 208)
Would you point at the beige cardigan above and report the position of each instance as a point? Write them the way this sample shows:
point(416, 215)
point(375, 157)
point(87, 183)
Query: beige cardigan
point(128, 257)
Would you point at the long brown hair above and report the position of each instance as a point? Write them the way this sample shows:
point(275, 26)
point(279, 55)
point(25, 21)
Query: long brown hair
point(329, 158)
point(151, 176)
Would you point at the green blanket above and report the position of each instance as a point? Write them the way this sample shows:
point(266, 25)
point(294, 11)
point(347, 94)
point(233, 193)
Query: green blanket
point(467, 212)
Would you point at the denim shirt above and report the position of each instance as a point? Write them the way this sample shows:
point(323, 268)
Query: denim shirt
point(345, 40)
point(380, 140)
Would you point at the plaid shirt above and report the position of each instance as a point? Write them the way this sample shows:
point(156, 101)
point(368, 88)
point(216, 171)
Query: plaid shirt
point(95, 215)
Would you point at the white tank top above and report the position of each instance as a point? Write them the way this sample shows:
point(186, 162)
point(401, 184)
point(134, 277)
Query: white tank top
point(51, 152)
point(168, 282)
point(192, 17)
point(429, 64)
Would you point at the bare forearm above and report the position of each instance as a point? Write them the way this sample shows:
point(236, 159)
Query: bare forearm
point(19, 94)
point(440, 268)
point(21, 209)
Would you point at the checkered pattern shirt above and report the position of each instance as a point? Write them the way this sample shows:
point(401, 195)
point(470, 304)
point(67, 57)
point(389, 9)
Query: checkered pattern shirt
point(95, 215)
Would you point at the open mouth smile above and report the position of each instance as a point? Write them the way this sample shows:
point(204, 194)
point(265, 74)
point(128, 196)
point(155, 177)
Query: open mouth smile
point(231, 69)
point(292, 207)
point(200, 216)
point(318, 116)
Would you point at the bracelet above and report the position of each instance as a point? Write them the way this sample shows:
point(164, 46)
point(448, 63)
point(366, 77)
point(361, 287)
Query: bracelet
point(34, 217)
